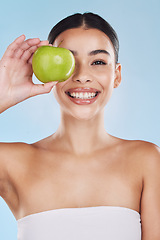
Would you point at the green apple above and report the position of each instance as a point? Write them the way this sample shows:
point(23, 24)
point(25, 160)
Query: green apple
point(53, 64)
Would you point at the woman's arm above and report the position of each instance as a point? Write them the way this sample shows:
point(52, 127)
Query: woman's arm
point(15, 86)
point(150, 202)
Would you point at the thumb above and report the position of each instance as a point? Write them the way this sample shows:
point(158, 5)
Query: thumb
point(42, 88)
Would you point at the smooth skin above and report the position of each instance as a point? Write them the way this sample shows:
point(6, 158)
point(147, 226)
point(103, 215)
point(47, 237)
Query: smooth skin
point(80, 165)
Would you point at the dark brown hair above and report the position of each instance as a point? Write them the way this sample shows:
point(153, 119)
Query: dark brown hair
point(87, 20)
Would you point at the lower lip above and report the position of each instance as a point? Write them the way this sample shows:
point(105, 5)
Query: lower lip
point(80, 101)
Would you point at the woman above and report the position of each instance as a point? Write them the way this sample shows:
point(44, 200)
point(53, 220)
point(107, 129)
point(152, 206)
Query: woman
point(80, 182)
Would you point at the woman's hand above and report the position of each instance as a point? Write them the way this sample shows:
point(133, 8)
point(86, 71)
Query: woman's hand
point(16, 73)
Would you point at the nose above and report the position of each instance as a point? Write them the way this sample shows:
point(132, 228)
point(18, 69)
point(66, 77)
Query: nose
point(81, 74)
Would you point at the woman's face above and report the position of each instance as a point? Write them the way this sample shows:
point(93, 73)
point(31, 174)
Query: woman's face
point(90, 87)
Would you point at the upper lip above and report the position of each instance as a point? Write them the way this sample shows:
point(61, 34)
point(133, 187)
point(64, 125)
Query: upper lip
point(71, 90)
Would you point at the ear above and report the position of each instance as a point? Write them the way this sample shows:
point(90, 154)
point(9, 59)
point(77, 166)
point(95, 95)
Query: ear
point(117, 79)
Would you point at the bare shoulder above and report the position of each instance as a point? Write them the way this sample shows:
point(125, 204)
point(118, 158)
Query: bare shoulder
point(10, 155)
point(144, 154)
point(147, 157)
point(147, 152)
point(141, 149)
point(150, 160)
point(8, 150)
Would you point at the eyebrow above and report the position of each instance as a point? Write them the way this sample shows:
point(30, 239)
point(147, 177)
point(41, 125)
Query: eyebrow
point(94, 52)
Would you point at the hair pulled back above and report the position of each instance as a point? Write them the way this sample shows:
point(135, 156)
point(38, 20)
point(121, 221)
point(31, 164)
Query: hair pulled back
point(86, 20)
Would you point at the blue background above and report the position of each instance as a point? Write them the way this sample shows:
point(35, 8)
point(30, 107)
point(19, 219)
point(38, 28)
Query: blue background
point(134, 109)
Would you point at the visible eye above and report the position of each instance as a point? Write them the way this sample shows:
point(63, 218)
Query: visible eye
point(99, 62)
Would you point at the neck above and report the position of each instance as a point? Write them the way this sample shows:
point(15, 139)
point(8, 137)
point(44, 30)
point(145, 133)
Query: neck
point(82, 136)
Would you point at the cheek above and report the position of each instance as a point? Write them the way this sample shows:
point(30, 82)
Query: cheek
point(106, 78)
point(56, 93)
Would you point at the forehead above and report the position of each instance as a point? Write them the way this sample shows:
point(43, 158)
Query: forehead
point(84, 39)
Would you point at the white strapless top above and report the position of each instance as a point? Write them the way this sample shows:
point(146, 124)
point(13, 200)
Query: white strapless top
point(87, 223)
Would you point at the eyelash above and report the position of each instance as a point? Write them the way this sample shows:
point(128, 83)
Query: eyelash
point(101, 62)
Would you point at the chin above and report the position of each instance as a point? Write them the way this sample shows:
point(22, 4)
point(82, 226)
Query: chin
point(83, 114)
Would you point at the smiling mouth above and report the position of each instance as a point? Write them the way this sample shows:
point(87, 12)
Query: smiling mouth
point(82, 95)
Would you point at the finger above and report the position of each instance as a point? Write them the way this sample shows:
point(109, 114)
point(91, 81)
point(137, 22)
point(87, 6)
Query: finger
point(13, 46)
point(26, 46)
point(42, 43)
point(30, 59)
point(42, 88)
point(28, 53)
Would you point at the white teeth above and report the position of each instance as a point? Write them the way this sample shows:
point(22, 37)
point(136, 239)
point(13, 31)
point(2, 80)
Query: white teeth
point(83, 95)
point(86, 95)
